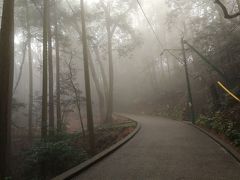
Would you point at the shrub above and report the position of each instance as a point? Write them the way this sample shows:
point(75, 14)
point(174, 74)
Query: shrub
point(225, 122)
point(47, 159)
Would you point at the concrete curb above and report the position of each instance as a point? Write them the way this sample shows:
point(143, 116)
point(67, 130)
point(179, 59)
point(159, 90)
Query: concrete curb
point(85, 165)
point(224, 145)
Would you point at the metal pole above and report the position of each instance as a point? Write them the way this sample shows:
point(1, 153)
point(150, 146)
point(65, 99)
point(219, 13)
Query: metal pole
point(190, 99)
point(207, 61)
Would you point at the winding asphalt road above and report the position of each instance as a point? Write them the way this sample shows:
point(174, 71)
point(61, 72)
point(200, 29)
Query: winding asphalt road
point(166, 150)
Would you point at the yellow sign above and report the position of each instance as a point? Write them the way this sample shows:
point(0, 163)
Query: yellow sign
point(228, 91)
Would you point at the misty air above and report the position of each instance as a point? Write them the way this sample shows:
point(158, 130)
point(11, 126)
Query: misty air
point(119, 89)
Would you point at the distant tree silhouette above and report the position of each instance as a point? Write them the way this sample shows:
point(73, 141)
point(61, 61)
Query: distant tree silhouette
point(45, 72)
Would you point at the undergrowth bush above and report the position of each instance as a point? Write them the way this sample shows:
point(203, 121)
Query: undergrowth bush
point(225, 122)
point(52, 157)
point(174, 112)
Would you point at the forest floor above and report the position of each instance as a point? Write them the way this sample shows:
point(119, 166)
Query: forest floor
point(63, 152)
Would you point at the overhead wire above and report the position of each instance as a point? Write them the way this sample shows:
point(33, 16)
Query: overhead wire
point(168, 50)
point(155, 34)
point(151, 26)
point(158, 39)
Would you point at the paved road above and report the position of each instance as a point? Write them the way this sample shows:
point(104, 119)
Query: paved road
point(166, 150)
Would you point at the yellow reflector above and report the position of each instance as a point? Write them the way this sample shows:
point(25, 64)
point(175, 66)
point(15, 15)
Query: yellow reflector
point(228, 91)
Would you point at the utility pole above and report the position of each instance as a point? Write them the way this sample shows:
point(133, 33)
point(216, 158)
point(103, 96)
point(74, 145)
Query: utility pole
point(190, 99)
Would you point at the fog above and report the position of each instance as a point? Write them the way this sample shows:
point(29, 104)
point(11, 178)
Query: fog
point(81, 68)
point(148, 70)
point(134, 54)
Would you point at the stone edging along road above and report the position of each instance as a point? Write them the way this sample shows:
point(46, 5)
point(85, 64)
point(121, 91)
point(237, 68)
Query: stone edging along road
point(83, 166)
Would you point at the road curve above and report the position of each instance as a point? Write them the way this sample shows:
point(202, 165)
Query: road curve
point(166, 150)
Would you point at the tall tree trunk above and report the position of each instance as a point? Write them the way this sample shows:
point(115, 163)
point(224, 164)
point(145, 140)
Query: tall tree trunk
point(104, 77)
point(59, 121)
point(30, 104)
point(6, 84)
point(45, 72)
point(90, 123)
point(94, 76)
point(111, 71)
point(76, 98)
point(167, 56)
point(50, 71)
point(97, 85)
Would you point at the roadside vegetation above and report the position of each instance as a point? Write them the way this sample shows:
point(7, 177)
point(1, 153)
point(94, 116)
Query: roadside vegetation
point(213, 30)
point(66, 66)
point(61, 152)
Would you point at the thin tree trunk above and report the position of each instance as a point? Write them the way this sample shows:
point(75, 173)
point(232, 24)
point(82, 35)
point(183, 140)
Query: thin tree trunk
point(167, 57)
point(154, 75)
point(6, 84)
point(110, 32)
point(45, 73)
point(111, 71)
point(30, 104)
point(50, 71)
point(21, 67)
point(90, 122)
point(76, 97)
point(97, 85)
point(80, 118)
point(59, 121)
point(168, 67)
point(94, 75)
point(162, 71)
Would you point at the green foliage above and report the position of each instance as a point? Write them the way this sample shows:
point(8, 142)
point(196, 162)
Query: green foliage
point(171, 111)
point(7, 178)
point(204, 121)
point(52, 157)
point(224, 122)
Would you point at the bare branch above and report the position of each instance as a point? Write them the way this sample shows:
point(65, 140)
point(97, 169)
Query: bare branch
point(225, 12)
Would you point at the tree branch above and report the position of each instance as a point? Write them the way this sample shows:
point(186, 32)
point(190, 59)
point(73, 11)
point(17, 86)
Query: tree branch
point(225, 12)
